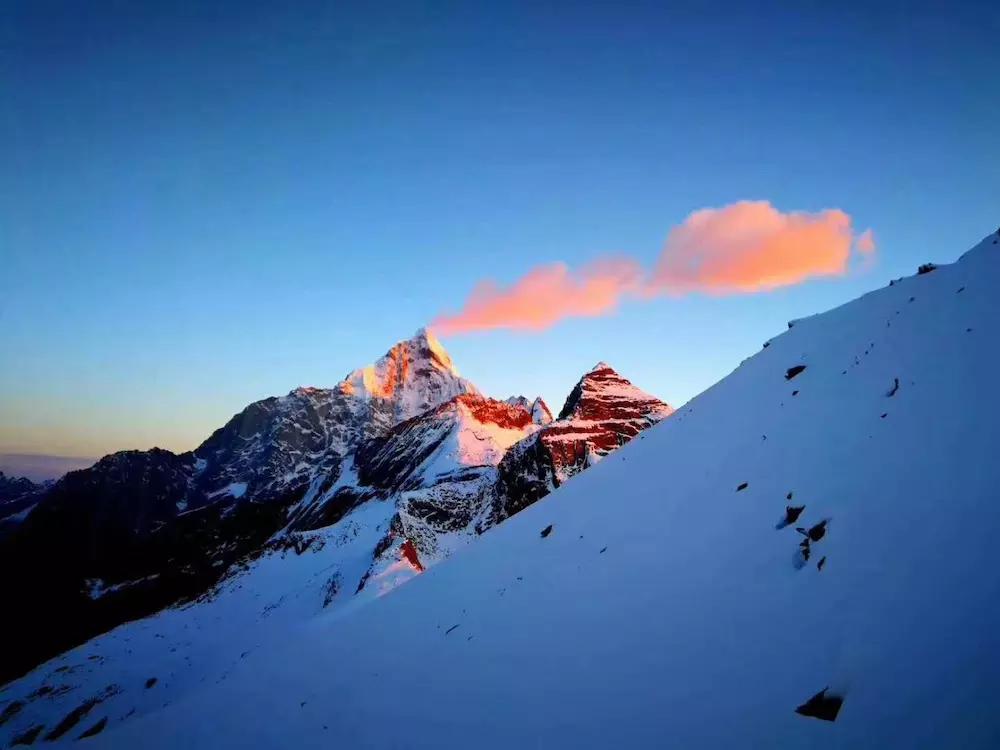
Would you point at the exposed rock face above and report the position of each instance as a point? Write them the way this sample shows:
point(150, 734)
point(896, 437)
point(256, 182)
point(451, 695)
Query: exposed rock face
point(603, 412)
point(440, 469)
point(279, 445)
point(141, 530)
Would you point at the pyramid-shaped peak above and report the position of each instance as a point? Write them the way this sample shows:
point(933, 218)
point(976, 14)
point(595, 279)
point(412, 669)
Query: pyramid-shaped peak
point(416, 374)
point(602, 388)
point(540, 412)
point(424, 340)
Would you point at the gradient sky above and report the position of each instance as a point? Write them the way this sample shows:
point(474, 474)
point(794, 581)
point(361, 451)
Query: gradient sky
point(204, 206)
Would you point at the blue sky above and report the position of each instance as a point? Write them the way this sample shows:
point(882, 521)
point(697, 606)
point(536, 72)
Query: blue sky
point(200, 207)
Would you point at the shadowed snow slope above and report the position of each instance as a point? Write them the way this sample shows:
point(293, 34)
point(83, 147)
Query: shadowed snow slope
point(664, 608)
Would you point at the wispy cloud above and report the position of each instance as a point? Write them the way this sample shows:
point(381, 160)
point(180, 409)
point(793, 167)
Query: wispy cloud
point(742, 248)
point(546, 295)
point(866, 242)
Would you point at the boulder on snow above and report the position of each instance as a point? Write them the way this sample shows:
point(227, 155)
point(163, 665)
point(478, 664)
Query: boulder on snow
point(28, 736)
point(815, 533)
point(895, 387)
point(791, 372)
point(94, 729)
point(822, 706)
point(792, 513)
point(546, 531)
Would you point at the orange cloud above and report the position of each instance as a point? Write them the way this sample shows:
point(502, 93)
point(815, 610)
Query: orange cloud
point(744, 247)
point(544, 296)
point(750, 246)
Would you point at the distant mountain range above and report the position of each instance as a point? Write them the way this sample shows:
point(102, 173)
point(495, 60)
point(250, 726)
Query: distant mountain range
point(41, 468)
point(430, 461)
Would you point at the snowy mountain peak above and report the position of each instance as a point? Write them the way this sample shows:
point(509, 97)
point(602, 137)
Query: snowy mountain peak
point(413, 376)
point(425, 340)
point(521, 401)
point(538, 409)
point(602, 394)
point(540, 412)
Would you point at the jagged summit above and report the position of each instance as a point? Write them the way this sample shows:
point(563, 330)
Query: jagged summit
point(413, 376)
point(603, 394)
point(538, 409)
point(540, 412)
point(603, 412)
point(424, 339)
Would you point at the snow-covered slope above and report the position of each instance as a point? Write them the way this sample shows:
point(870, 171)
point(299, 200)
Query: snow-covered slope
point(660, 599)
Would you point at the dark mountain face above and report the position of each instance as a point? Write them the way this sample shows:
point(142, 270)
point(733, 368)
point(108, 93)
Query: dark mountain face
point(16, 488)
point(18, 496)
point(141, 530)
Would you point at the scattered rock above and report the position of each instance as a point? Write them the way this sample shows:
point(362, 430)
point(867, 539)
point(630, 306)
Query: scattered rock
point(960, 290)
point(742, 486)
point(815, 533)
point(450, 629)
point(546, 531)
point(28, 736)
point(802, 554)
point(11, 710)
point(331, 589)
point(821, 563)
point(788, 496)
point(71, 719)
point(895, 387)
point(884, 415)
point(795, 393)
point(793, 371)
point(926, 268)
point(150, 682)
point(792, 513)
point(822, 706)
point(603, 550)
point(95, 729)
